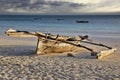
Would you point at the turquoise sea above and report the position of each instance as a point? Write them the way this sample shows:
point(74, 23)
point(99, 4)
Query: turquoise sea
point(98, 26)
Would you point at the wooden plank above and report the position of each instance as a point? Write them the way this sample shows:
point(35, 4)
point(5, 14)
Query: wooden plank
point(20, 35)
point(16, 33)
point(103, 54)
point(39, 47)
point(51, 46)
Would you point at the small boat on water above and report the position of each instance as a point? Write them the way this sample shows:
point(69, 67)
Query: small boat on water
point(81, 21)
point(60, 19)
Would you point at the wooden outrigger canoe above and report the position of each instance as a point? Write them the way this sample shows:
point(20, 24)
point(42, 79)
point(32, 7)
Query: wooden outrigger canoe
point(49, 43)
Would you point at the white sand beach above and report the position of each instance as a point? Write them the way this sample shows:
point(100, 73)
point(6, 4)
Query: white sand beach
point(18, 61)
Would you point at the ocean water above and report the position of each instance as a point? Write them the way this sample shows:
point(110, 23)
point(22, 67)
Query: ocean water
point(98, 26)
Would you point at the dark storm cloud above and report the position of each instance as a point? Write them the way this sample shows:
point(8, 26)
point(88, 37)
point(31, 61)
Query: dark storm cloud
point(58, 6)
point(38, 5)
point(6, 4)
point(69, 4)
point(23, 3)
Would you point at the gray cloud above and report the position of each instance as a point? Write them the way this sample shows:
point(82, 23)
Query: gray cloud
point(9, 6)
point(54, 6)
point(13, 3)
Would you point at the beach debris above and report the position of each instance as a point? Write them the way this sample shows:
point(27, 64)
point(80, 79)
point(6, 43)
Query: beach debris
point(49, 43)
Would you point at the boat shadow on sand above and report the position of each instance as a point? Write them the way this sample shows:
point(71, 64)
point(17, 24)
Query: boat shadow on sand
point(31, 50)
point(17, 50)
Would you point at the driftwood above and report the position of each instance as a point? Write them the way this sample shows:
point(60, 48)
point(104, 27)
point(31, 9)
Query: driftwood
point(49, 43)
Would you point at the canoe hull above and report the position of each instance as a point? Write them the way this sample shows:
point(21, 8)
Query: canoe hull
point(50, 46)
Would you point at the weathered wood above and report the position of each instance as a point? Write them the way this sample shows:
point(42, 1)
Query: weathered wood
point(102, 45)
point(49, 43)
point(59, 37)
point(63, 41)
point(20, 35)
point(53, 44)
point(50, 46)
point(99, 55)
point(16, 33)
point(102, 54)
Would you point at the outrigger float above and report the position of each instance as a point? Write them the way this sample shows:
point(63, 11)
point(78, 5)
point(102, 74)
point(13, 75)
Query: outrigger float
point(49, 43)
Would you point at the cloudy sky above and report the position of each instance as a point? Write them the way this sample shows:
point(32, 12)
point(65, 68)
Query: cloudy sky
point(59, 6)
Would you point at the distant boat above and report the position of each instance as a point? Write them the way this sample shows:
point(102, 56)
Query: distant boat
point(59, 19)
point(80, 21)
point(37, 18)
